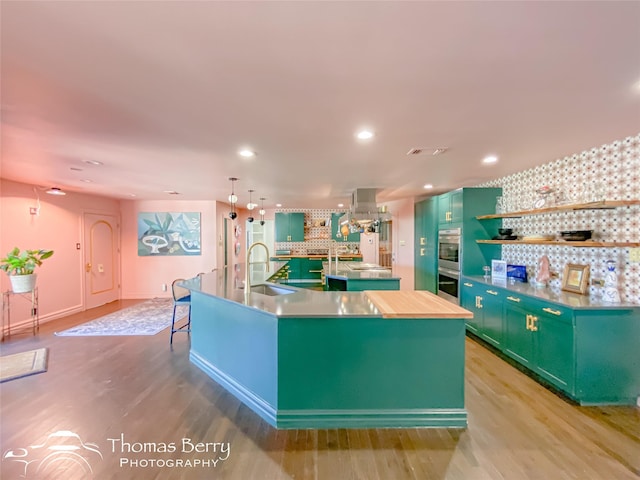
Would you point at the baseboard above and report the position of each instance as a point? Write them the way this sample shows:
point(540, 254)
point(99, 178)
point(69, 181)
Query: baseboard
point(266, 411)
point(49, 317)
point(388, 418)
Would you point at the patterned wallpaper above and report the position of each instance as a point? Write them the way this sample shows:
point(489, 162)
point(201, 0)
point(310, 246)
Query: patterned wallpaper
point(317, 231)
point(609, 172)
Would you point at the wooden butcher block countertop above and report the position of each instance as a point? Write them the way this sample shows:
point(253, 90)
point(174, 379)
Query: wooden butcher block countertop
point(414, 304)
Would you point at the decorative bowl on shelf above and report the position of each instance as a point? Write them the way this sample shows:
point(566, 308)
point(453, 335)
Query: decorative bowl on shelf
point(576, 235)
point(505, 231)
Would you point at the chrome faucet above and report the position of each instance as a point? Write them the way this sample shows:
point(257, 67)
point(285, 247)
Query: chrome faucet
point(247, 275)
point(331, 243)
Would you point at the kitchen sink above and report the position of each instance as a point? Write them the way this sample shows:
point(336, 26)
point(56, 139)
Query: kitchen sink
point(271, 290)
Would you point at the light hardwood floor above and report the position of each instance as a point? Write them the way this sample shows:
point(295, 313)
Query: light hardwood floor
point(105, 387)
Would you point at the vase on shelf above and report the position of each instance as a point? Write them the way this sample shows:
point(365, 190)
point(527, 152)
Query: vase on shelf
point(611, 294)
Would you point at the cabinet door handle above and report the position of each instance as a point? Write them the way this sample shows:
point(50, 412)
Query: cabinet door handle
point(467, 284)
point(514, 299)
point(552, 312)
point(479, 302)
point(534, 327)
point(492, 292)
point(422, 252)
point(423, 241)
point(528, 322)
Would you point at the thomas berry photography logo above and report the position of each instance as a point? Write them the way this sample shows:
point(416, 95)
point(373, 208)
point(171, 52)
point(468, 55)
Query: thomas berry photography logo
point(63, 452)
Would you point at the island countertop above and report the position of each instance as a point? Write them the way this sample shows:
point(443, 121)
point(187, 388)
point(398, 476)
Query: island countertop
point(228, 284)
point(357, 271)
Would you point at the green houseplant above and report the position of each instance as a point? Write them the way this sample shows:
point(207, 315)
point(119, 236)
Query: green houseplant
point(20, 266)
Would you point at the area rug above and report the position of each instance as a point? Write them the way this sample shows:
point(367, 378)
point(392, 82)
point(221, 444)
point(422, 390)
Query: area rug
point(146, 318)
point(23, 364)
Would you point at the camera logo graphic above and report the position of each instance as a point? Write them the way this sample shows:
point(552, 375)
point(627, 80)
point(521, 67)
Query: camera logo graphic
point(62, 451)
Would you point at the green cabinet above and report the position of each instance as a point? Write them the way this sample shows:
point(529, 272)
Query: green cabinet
point(450, 209)
point(426, 245)
point(486, 305)
point(518, 338)
point(289, 226)
point(456, 209)
point(589, 353)
point(337, 234)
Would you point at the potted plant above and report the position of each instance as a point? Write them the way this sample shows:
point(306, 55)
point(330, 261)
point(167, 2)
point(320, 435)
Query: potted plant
point(20, 266)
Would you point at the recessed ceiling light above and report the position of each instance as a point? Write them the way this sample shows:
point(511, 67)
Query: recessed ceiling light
point(428, 186)
point(86, 180)
point(93, 162)
point(489, 159)
point(132, 195)
point(340, 205)
point(246, 153)
point(278, 205)
point(364, 134)
point(55, 191)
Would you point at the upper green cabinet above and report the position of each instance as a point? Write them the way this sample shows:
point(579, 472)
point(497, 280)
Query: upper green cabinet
point(337, 234)
point(289, 227)
point(426, 239)
point(450, 209)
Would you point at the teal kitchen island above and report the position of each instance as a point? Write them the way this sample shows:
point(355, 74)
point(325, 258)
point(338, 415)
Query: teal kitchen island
point(309, 359)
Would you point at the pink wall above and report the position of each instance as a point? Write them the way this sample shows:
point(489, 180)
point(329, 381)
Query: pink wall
point(142, 277)
point(402, 232)
point(58, 227)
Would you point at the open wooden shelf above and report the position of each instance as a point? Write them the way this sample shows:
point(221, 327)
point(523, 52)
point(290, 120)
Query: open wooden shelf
point(563, 243)
point(606, 204)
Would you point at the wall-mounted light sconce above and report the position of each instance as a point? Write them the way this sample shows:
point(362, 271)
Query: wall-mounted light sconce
point(55, 191)
point(233, 200)
point(250, 206)
point(261, 212)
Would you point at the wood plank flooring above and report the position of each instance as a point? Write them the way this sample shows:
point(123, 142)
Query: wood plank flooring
point(106, 387)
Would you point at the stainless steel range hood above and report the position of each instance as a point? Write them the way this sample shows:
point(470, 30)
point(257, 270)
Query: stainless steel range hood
point(364, 210)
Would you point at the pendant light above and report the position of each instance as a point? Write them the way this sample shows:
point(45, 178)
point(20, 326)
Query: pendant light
point(261, 212)
point(233, 199)
point(250, 206)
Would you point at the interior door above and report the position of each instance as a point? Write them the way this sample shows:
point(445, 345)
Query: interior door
point(101, 259)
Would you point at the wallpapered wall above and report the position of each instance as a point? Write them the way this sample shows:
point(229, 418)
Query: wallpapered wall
point(316, 236)
point(611, 171)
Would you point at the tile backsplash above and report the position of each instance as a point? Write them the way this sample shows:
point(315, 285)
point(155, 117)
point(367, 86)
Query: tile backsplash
point(609, 172)
point(317, 231)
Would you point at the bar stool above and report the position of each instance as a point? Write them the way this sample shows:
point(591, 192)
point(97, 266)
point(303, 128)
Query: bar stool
point(181, 296)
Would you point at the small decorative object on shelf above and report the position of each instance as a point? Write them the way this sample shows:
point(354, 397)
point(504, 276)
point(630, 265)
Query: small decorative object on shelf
point(611, 293)
point(487, 272)
point(543, 275)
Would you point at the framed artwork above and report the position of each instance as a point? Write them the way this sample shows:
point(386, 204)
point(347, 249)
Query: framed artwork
point(575, 278)
point(167, 233)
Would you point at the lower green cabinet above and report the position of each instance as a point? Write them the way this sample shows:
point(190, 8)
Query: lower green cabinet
point(486, 305)
point(518, 338)
point(555, 356)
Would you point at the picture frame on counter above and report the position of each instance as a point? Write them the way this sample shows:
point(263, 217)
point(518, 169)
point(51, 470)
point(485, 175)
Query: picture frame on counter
point(499, 272)
point(576, 278)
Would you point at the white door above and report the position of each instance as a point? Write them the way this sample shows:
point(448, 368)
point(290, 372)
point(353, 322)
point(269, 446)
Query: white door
point(101, 259)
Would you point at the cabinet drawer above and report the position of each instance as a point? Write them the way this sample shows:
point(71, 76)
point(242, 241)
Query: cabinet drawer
point(553, 311)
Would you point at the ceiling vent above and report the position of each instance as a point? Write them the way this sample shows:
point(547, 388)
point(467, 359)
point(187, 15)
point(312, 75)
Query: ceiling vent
point(427, 151)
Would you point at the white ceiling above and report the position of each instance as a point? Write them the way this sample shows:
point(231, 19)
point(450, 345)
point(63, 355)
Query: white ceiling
point(165, 93)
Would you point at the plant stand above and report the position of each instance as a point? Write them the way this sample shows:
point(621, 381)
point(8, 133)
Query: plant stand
point(32, 297)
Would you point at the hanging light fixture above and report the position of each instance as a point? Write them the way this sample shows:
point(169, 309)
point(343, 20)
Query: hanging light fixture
point(261, 212)
point(251, 206)
point(233, 200)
